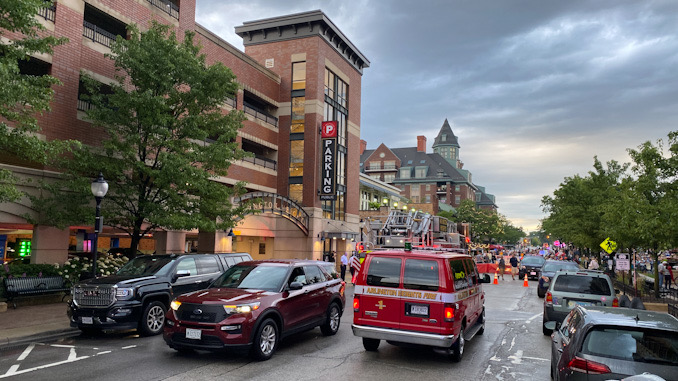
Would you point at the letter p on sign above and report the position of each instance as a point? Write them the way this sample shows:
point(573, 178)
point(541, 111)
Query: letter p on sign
point(329, 130)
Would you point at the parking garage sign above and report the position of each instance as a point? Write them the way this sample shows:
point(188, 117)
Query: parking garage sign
point(328, 178)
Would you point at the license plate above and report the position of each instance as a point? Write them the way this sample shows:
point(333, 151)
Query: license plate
point(86, 320)
point(583, 304)
point(419, 310)
point(533, 273)
point(193, 333)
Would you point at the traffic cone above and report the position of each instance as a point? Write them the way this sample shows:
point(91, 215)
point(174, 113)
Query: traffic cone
point(496, 281)
point(525, 282)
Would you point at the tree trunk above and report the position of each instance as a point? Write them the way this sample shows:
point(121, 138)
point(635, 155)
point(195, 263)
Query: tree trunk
point(655, 256)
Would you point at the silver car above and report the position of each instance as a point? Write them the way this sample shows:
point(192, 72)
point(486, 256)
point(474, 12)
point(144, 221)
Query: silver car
point(569, 289)
point(604, 343)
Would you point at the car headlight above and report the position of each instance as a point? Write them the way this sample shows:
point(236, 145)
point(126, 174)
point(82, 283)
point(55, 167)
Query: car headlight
point(175, 305)
point(241, 308)
point(124, 293)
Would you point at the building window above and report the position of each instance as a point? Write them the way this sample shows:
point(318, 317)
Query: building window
point(389, 164)
point(457, 188)
point(443, 137)
point(296, 158)
point(298, 114)
point(457, 199)
point(100, 27)
point(428, 187)
point(336, 109)
point(406, 172)
point(297, 127)
point(428, 198)
point(297, 193)
point(478, 197)
point(262, 248)
point(415, 193)
point(420, 172)
point(375, 165)
point(388, 178)
point(299, 76)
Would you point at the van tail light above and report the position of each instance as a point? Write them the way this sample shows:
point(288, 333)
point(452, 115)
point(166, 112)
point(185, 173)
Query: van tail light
point(448, 311)
point(356, 303)
point(615, 302)
point(578, 364)
point(549, 299)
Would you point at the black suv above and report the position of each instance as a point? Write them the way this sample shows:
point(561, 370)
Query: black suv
point(139, 294)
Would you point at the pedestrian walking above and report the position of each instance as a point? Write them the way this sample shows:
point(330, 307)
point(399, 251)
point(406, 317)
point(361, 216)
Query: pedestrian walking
point(669, 277)
point(344, 263)
point(514, 266)
point(501, 266)
point(661, 269)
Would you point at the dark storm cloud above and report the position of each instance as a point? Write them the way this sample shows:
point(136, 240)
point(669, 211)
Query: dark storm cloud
point(534, 89)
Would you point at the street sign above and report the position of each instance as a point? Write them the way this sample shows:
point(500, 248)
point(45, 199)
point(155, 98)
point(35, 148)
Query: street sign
point(623, 262)
point(608, 245)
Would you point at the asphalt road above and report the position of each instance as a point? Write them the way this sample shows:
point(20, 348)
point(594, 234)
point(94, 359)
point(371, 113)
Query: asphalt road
point(512, 348)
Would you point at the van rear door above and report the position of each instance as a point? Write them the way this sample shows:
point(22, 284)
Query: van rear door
point(379, 300)
point(422, 306)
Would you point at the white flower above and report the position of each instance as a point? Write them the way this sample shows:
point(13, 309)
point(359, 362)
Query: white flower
point(65, 270)
point(108, 273)
point(73, 266)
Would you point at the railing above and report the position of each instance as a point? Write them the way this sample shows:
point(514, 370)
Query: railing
point(266, 163)
point(48, 13)
point(84, 105)
point(645, 290)
point(97, 34)
point(167, 7)
point(230, 102)
point(261, 115)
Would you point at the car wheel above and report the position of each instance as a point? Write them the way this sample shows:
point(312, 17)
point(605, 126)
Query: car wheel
point(153, 319)
point(482, 321)
point(265, 340)
point(546, 331)
point(540, 293)
point(458, 346)
point(370, 345)
point(90, 331)
point(331, 325)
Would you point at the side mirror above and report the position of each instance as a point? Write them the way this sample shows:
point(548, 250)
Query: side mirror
point(296, 286)
point(485, 279)
point(551, 325)
point(180, 274)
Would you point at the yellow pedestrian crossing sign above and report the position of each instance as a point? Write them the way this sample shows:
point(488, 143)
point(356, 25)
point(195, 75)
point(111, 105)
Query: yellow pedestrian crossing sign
point(609, 245)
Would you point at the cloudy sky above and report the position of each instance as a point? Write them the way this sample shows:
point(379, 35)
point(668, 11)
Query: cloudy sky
point(533, 89)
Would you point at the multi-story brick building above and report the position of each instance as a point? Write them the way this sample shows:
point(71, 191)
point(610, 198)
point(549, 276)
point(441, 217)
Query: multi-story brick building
point(432, 182)
point(296, 72)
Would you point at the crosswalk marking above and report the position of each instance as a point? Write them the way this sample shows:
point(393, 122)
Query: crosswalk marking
point(26, 352)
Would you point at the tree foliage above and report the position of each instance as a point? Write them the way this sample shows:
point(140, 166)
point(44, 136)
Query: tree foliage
point(22, 96)
point(167, 141)
point(484, 224)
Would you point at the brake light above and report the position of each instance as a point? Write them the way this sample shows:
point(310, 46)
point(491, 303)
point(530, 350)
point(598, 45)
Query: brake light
point(356, 304)
point(615, 302)
point(578, 364)
point(343, 288)
point(448, 312)
point(549, 299)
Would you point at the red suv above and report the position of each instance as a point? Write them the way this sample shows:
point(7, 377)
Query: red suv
point(255, 304)
point(431, 298)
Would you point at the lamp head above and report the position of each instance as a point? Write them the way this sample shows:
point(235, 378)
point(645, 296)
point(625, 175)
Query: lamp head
point(99, 186)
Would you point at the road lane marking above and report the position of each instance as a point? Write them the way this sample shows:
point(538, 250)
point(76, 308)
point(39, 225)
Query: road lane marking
point(532, 318)
point(535, 358)
point(72, 356)
point(14, 368)
point(25, 353)
point(103, 353)
point(517, 358)
point(62, 346)
point(129, 346)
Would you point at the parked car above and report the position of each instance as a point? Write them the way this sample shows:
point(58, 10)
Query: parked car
point(255, 304)
point(576, 288)
point(531, 265)
point(548, 270)
point(603, 343)
point(431, 298)
point(139, 294)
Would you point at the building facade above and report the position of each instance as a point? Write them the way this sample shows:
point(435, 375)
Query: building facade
point(297, 71)
point(432, 182)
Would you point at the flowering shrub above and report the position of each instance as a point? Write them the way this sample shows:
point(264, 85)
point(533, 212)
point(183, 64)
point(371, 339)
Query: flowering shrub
point(73, 269)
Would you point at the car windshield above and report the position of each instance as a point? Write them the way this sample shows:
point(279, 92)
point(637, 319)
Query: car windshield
point(147, 265)
point(648, 346)
point(532, 261)
point(555, 266)
point(258, 277)
point(582, 284)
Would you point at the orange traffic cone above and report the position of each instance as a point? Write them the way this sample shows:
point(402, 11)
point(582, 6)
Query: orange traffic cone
point(496, 281)
point(525, 282)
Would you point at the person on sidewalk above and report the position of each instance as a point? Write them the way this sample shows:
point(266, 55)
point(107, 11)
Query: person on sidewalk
point(514, 266)
point(344, 263)
point(661, 269)
point(668, 275)
point(501, 266)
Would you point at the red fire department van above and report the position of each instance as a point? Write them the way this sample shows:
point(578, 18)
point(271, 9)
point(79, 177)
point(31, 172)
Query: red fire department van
point(426, 297)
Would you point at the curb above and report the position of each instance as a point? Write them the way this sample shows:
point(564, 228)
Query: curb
point(10, 343)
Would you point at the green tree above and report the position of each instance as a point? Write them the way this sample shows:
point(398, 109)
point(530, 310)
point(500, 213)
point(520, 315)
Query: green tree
point(23, 97)
point(484, 224)
point(509, 234)
point(167, 141)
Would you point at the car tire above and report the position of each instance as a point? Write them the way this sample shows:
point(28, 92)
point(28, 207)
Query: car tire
point(152, 319)
point(89, 331)
point(265, 340)
point(331, 325)
point(482, 321)
point(540, 293)
point(545, 331)
point(371, 345)
point(458, 346)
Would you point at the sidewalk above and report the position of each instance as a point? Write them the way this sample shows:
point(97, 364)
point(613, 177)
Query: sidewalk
point(37, 322)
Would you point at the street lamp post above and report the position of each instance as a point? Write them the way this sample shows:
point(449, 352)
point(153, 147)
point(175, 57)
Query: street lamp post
point(99, 188)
